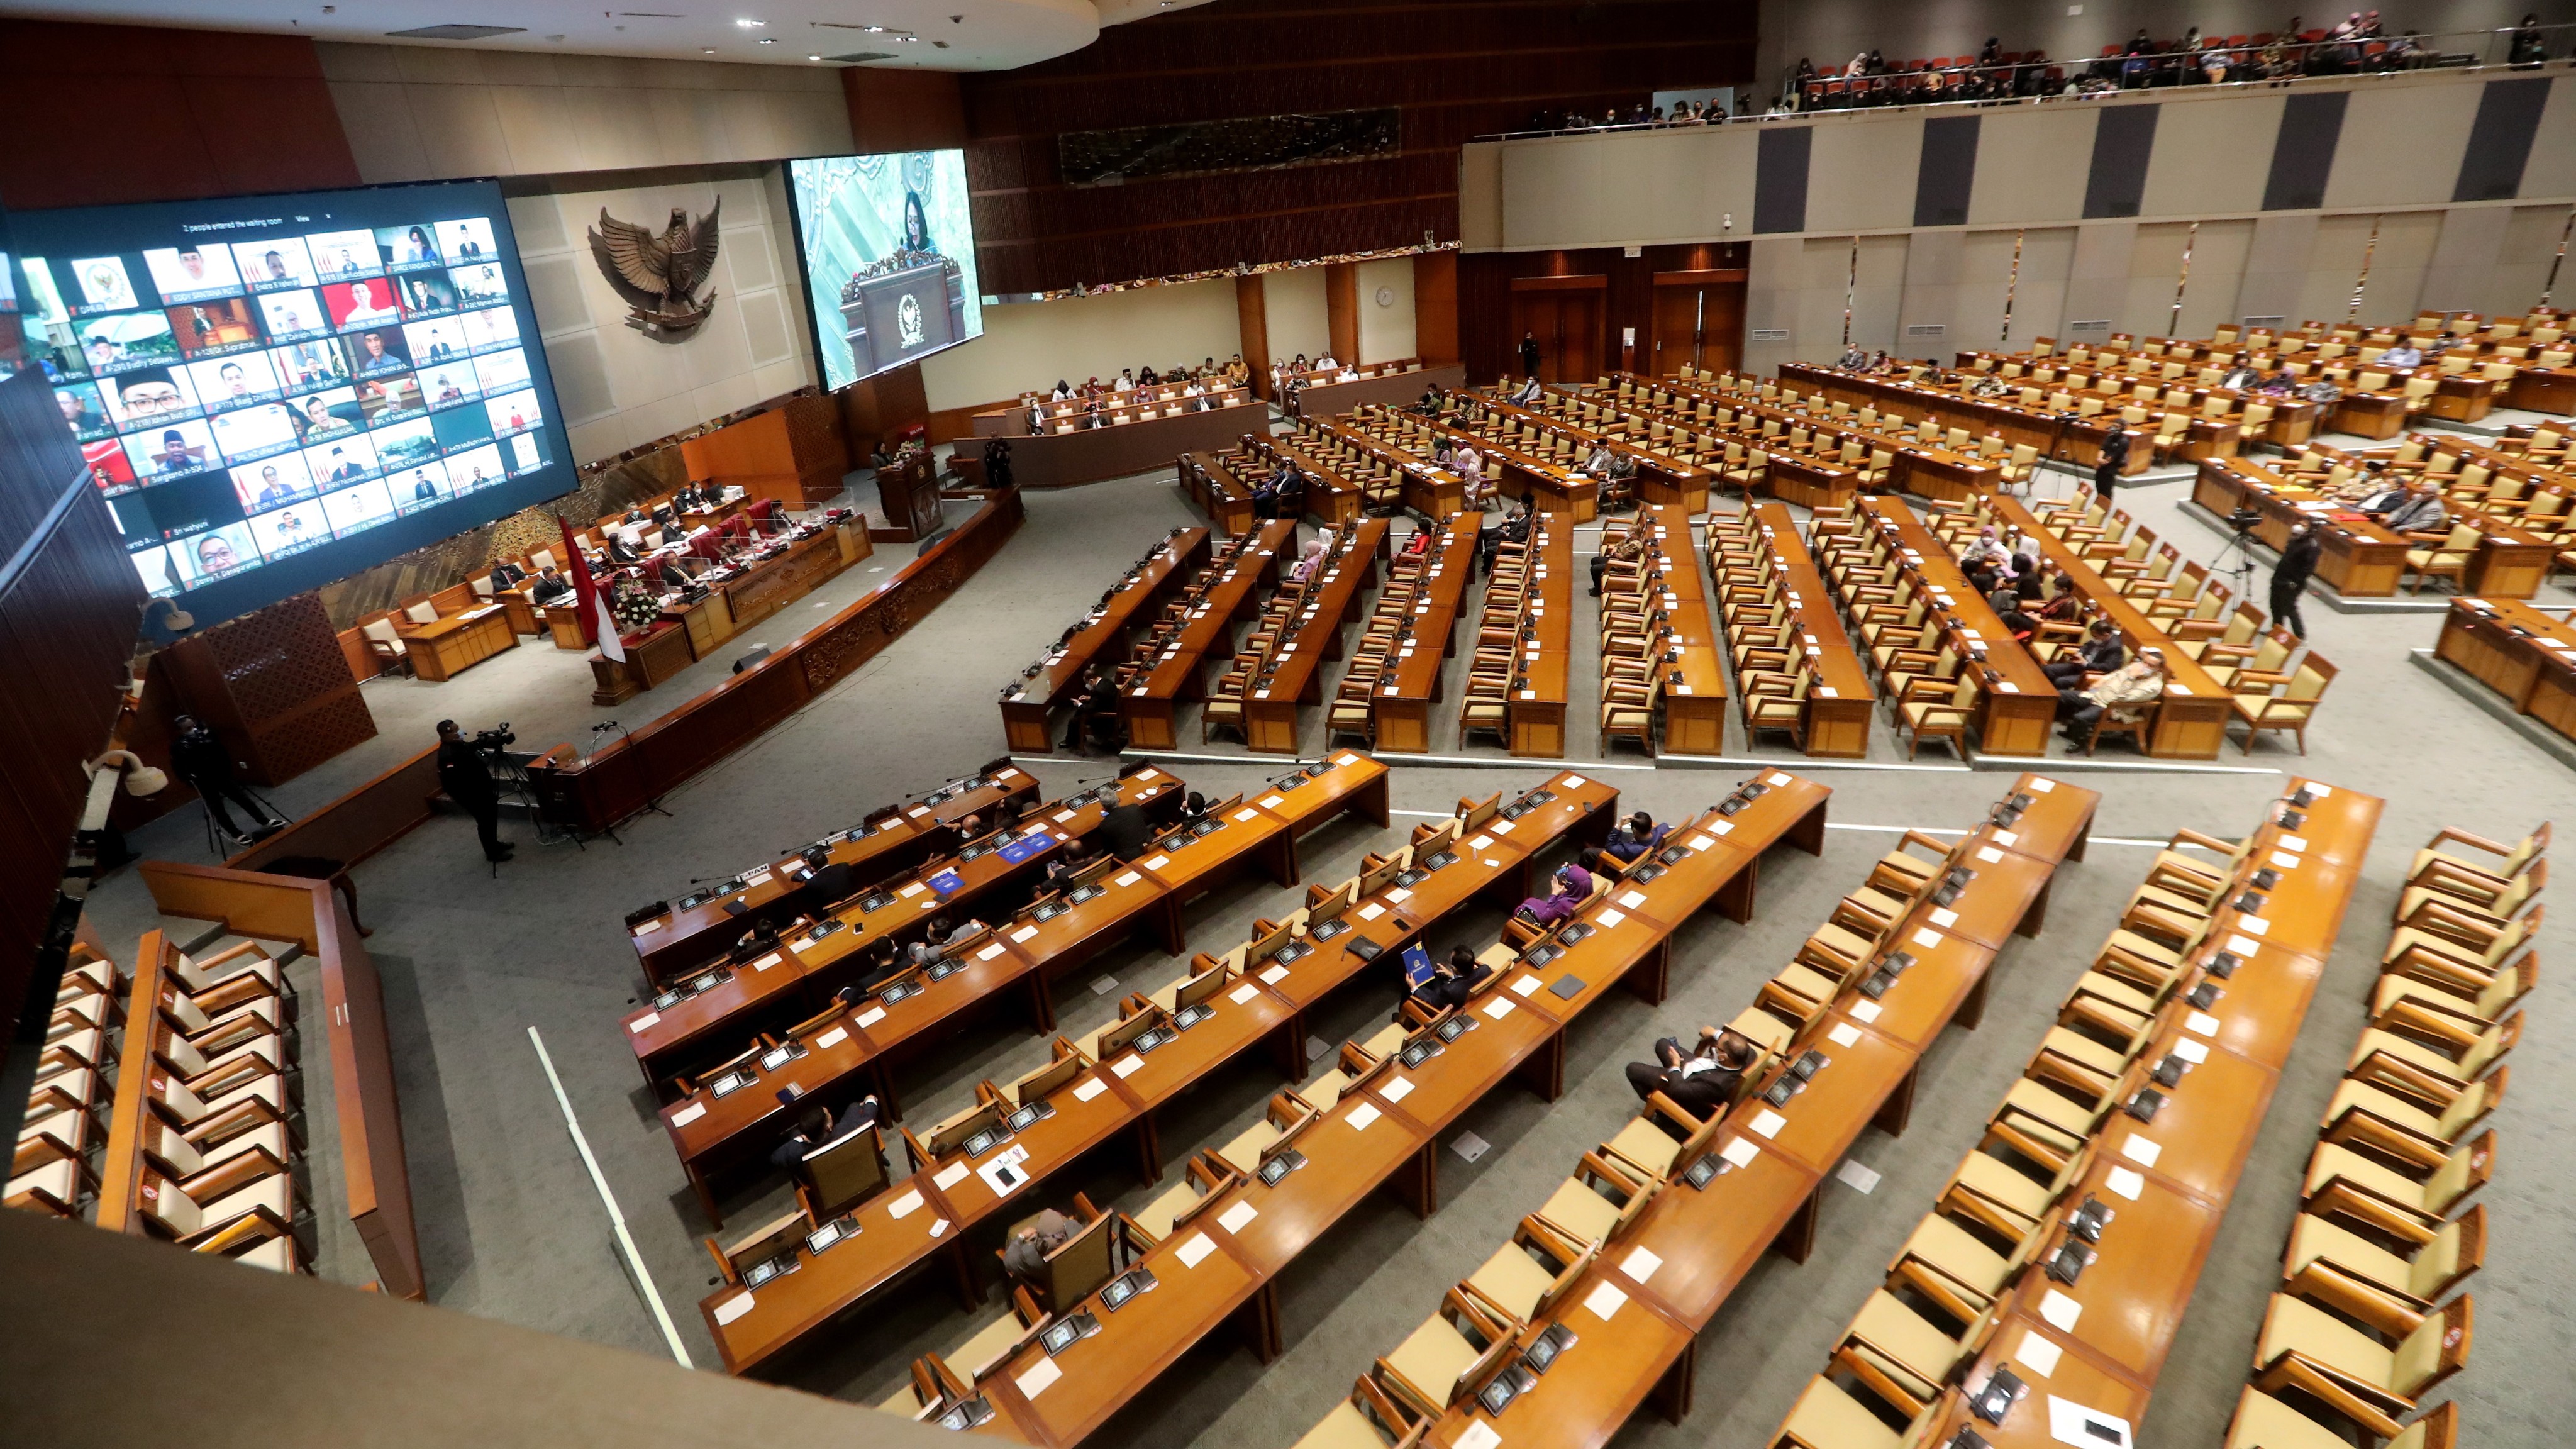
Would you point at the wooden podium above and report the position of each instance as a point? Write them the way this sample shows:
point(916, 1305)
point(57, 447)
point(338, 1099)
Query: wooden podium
point(892, 319)
point(908, 496)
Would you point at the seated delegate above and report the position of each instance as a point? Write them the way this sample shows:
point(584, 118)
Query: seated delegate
point(816, 1126)
point(1627, 840)
point(1453, 982)
point(1573, 888)
point(1703, 1080)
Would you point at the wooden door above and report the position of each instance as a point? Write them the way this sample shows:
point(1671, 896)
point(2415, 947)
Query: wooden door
point(1699, 324)
point(1567, 323)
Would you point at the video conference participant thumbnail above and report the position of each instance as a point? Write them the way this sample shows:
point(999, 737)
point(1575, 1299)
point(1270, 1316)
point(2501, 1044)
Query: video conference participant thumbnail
point(275, 264)
point(234, 382)
point(192, 272)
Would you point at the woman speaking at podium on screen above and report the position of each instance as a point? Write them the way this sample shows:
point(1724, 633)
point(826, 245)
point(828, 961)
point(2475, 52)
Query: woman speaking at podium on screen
point(888, 242)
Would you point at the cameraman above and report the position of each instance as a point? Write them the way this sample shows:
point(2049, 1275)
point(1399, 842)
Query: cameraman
point(200, 759)
point(467, 779)
point(2290, 576)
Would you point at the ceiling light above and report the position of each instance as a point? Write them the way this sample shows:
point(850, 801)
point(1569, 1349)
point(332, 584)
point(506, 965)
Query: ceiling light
point(769, 40)
point(750, 24)
point(710, 50)
point(813, 57)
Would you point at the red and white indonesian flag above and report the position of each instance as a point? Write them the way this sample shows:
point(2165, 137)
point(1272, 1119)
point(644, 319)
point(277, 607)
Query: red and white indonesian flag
point(596, 619)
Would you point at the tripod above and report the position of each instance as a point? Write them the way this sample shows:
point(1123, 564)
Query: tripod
point(216, 835)
point(2236, 559)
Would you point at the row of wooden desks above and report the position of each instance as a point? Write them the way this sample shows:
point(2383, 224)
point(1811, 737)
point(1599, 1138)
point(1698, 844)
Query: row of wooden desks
point(1429, 489)
point(1550, 487)
point(2293, 420)
point(1176, 673)
point(929, 1214)
point(1693, 665)
point(2356, 554)
point(2519, 652)
point(1103, 633)
point(671, 938)
point(1294, 676)
point(2191, 723)
point(1934, 473)
point(1400, 708)
point(1660, 1282)
point(1840, 702)
point(1543, 664)
point(1660, 478)
point(2101, 1341)
point(2082, 438)
point(2016, 704)
point(1225, 1263)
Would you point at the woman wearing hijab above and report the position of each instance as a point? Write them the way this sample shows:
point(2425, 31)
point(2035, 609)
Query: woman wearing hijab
point(1311, 562)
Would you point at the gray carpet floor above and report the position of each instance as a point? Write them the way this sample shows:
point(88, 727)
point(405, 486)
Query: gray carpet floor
point(478, 970)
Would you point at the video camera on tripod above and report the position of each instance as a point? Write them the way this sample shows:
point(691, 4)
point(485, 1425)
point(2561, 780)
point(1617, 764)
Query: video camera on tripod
point(494, 740)
point(2243, 520)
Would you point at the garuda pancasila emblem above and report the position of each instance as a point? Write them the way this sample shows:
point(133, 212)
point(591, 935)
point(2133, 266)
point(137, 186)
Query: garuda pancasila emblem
point(659, 276)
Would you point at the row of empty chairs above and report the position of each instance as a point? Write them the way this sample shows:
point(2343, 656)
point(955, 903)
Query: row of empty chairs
point(1397, 665)
point(1516, 675)
point(1795, 668)
point(1920, 457)
point(166, 1103)
point(1659, 656)
point(2051, 1278)
point(2364, 1326)
point(1295, 630)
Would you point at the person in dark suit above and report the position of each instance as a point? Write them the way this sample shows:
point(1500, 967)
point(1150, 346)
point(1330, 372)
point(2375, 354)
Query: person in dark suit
point(620, 551)
point(672, 575)
point(1702, 1080)
point(1124, 830)
point(1453, 982)
point(467, 780)
point(1024, 1257)
point(1627, 841)
point(2102, 653)
point(816, 1125)
point(552, 588)
point(2290, 576)
point(1529, 354)
point(507, 575)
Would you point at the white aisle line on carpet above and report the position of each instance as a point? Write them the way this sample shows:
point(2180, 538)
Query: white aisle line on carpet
point(616, 1218)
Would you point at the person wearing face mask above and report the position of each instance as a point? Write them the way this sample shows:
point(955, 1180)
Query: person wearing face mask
point(2290, 576)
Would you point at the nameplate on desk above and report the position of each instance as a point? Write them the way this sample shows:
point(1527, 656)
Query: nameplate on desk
point(688, 1114)
point(644, 1023)
point(732, 1308)
point(1195, 1251)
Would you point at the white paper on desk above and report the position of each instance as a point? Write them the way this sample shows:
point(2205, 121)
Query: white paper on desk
point(1061, 816)
point(1768, 1123)
point(649, 927)
point(918, 810)
point(1398, 896)
point(1126, 1066)
point(1504, 827)
point(1480, 842)
point(1129, 878)
point(765, 962)
point(904, 1206)
point(1945, 918)
point(989, 952)
point(1527, 985)
point(1866, 1011)
point(2072, 1423)
point(1927, 938)
point(1371, 911)
point(951, 1175)
point(2008, 837)
point(1397, 1089)
point(2317, 791)
point(732, 1308)
point(644, 1023)
point(2201, 1023)
point(2037, 1354)
point(1720, 827)
point(1604, 1300)
point(1478, 1435)
point(2142, 1150)
point(2190, 1051)
point(913, 889)
point(2042, 787)
point(2254, 925)
point(1700, 842)
point(1090, 1089)
point(1844, 1033)
point(1633, 899)
point(2127, 1182)
point(1040, 1375)
point(1741, 1151)
point(1274, 802)
point(2060, 1311)
point(1274, 975)
point(2245, 946)
point(1498, 1008)
point(1233, 1218)
point(1024, 933)
point(2285, 860)
point(1608, 919)
point(688, 1114)
point(1362, 1115)
point(1640, 1264)
point(2294, 842)
point(1989, 854)
point(1778, 781)
point(1243, 993)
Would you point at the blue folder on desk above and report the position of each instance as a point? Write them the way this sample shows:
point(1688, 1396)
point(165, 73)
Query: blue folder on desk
point(1417, 967)
point(1021, 849)
point(946, 883)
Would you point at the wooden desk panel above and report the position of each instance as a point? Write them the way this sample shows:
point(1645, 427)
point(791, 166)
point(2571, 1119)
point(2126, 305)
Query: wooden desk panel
point(1593, 1387)
point(1538, 698)
point(2517, 651)
point(1709, 1239)
point(456, 643)
point(1840, 704)
point(1401, 708)
point(1295, 676)
point(2017, 706)
point(2149, 1259)
point(1087, 455)
point(1694, 684)
point(1228, 589)
point(774, 583)
point(1101, 638)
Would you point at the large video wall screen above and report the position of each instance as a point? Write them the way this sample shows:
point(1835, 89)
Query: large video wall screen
point(278, 391)
point(888, 248)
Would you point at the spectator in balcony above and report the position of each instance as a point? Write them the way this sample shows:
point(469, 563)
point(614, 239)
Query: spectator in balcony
point(2526, 48)
point(2133, 59)
point(1993, 51)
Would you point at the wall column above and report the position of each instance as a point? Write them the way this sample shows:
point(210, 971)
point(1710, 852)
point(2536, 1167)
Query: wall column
point(1253, 307)
point(1342, 310)
point(1435, 307)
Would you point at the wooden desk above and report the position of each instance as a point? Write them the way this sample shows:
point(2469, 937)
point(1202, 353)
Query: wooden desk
point(440, 651)
point(1349, 783)
point(2358, 556)
point(889, 842)
point(1087, 455)
point(1227, 591)
point(1389, 389)
point(2517, 651)
point(1296, 671)
point(656, 655)
point(2076, 1374)
point(1401, 708)
point(1695, 683)
point(1935, 473)
point(1536, 708)
point(2544, 390)
point(2149, 1259)
point(2191, 721)
point(1660, 477)
point(1211, 484)
point(2082, 439)
point(2016, 705)
point(1840, 704)
point(1595, 1385)
point(1100, 638)
point(781, 579)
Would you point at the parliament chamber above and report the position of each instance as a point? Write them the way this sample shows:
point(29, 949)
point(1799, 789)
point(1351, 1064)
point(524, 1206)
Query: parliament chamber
point(1697, 744)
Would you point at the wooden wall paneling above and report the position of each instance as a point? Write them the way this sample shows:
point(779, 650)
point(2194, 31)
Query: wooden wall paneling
point(1453, 72)
point(1487, 282)
point(793, 453)
point(1252, 306)
point(1435, 307)
point(276, 686)
point(1342, 310)
point(874, 409)
point(165, 115)
point(69, 604)
point(904, 110)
